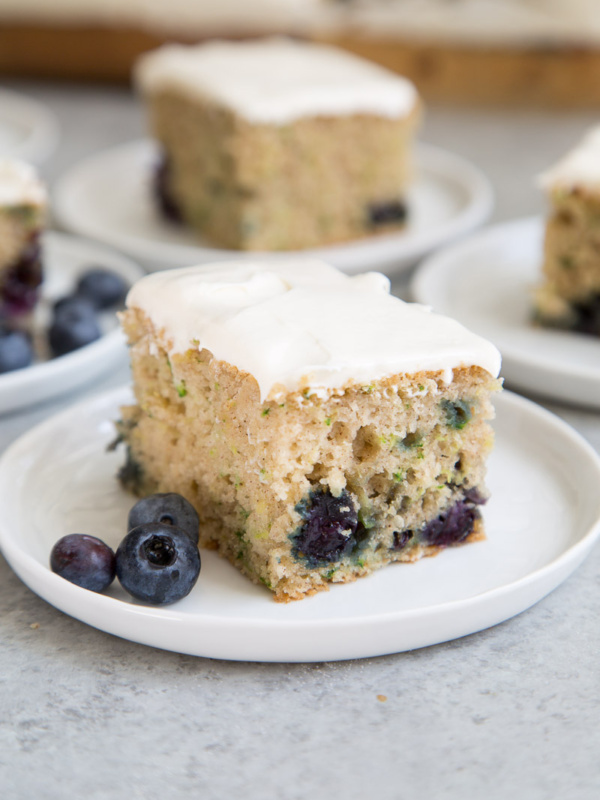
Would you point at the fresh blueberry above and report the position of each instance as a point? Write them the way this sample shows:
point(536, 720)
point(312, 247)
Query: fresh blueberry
point(84, 560)
point(452, 526)
point(16, 351)
point(329, 528)
point(102, 287)
point(74, 301)
point(158, 563)
point(170, 509)
point(74, 326)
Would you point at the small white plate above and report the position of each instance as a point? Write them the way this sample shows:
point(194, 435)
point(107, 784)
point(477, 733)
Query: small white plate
point(64, 258)
point(450, 197)
point(541, 522)
point(28, 129)
point(487, 282)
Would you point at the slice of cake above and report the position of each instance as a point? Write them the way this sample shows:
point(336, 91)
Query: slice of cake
point(276, 144)
point(22, 213)
point(321, 427)
point(570, 294)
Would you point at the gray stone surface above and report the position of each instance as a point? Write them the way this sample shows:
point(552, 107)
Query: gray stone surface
point(512, 712)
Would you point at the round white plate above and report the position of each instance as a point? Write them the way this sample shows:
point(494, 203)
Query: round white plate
point(65, 257)
point(486, 282)
point(542, 521)
point(28, 129)
point(450, 197)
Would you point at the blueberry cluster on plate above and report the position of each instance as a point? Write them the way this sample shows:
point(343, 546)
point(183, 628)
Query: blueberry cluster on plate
point(74, 321)
point(158, 561)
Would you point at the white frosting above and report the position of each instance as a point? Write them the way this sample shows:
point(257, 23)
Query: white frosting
point(181, 16)
point(510, 23)
point(216, 17)
point(304, 325)
point(276, 81)
point(580, 167)
point(19, 184)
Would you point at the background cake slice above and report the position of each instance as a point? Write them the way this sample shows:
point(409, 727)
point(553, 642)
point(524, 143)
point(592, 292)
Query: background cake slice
point(276, 144)
point(22, 214)
point(321, 427)
point(570, 294)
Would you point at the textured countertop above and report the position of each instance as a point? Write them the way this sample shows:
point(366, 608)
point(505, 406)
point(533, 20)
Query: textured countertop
point(513, 711)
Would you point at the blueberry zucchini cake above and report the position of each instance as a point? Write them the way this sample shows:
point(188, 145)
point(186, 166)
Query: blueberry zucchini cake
point(569, 296)
point(276, 144)
point(321, 427)
point(22, 212)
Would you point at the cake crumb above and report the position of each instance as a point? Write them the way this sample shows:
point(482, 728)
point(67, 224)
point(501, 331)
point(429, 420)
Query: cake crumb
point(382, 698)
point(34, 626)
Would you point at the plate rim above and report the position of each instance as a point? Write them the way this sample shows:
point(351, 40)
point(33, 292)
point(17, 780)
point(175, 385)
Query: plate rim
point(472, 180)
point(544, 578)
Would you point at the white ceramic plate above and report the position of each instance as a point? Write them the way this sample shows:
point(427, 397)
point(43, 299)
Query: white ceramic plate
point(450, 197)
point(65, 257)
point(28, 129)
point(486, 282)
point(542, 521)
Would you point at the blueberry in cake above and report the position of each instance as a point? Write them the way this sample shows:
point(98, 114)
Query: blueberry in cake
point(276, 144)
point(569, 296)
point(22, 213)
point(321, 427)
